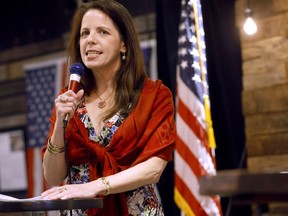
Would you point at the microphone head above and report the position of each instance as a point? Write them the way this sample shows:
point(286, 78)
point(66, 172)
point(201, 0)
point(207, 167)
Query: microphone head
point(77, 68)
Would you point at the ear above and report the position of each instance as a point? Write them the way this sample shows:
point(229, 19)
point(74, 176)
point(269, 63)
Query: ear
point(123, 48)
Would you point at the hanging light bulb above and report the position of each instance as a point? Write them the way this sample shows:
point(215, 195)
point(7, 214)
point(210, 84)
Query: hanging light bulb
point(250, 26)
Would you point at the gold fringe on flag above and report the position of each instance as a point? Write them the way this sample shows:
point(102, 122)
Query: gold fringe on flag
point(210, 131)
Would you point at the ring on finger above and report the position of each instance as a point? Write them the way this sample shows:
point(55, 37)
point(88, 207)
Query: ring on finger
point(63, 98)
point(60, 190)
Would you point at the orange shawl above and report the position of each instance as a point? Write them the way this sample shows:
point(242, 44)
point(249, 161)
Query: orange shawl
point(148, 131)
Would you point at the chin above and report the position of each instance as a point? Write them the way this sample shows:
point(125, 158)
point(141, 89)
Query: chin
point(90, 65)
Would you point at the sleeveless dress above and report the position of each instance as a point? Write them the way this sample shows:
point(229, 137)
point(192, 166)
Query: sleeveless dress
point(142, 201)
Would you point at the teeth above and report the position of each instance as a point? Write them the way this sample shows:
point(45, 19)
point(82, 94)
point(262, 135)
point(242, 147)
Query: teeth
point(92, 52)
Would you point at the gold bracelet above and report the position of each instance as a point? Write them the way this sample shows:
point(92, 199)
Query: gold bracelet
point(54, 149)
point(106, 182)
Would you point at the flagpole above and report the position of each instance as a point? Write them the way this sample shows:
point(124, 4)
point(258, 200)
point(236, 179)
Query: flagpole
point(208, 119)
point(210, 131)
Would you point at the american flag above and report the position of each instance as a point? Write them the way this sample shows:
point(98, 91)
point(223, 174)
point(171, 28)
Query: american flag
point(194, 154)
point(43, 82)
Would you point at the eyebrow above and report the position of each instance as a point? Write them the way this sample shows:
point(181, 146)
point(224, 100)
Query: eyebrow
point(99, 27)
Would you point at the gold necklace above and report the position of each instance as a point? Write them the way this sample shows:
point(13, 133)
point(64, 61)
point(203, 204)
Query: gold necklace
point(102, 103)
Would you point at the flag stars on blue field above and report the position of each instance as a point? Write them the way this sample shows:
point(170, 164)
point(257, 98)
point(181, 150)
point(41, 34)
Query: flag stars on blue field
point(193, 40)
point(184, 64)
point(196, 78)
point(182, 39)
point(40, 93)
point(194, 52)
point(182, 52)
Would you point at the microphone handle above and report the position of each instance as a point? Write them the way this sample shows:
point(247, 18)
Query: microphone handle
point(66, 117)
point(65, 120)
point(73, 85)
point(74, 82)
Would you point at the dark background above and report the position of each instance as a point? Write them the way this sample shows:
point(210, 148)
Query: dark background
point(29, 21)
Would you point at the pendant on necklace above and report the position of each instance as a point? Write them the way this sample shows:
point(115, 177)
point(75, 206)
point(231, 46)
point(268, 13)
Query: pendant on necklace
point(101, 104)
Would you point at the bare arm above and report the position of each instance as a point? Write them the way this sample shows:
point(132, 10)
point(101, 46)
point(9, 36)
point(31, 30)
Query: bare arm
point(147, 172)
point(54, 166)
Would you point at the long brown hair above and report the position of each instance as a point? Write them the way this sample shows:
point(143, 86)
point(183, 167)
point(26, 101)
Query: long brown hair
point(131, 74)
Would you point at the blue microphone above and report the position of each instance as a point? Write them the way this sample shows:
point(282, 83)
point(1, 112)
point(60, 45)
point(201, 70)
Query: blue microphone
point(76, 71)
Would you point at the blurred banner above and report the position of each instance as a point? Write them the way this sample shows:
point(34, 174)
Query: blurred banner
point(149, 50)
point(12, 161)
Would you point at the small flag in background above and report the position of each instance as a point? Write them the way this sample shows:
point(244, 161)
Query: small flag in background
point(194, 154)
point(43, 82)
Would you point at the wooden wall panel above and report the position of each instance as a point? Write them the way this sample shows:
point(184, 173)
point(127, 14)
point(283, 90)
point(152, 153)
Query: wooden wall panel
point(265, 88)
point(13, 105)
point(270, 163)
point(13, 121)
point(278, 209)
point(270, 15)
point(254, 49)
point(265, 62)
point(262, 8)
point(271, 49)
point(265, 100)
point(266, 123)
point(267, 144)
point(31, 50)
point(276, 76)
point(10, 88)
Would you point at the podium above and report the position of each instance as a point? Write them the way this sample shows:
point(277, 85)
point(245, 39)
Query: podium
point(49, 205)
point(247, 187)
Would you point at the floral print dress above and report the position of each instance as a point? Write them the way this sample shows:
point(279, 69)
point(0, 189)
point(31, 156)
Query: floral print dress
point(142, 201)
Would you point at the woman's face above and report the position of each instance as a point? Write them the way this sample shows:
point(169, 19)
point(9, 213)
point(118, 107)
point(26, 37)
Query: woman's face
point(100, 42)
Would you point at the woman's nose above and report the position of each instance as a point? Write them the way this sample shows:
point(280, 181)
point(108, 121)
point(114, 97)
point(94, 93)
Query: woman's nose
point(92, 39)
point(90, 42)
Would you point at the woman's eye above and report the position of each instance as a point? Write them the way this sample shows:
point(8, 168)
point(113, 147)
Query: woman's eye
point(103, 32)
point(84, 33)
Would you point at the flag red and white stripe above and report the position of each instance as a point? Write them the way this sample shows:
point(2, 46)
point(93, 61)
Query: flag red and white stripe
point(194, 155)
